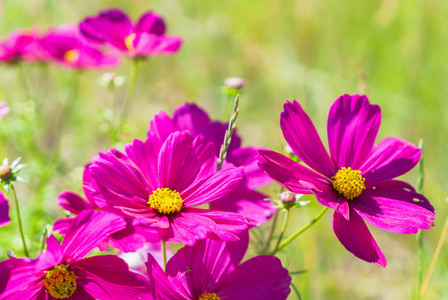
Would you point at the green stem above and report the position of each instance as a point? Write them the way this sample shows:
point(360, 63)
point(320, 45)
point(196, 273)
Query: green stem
point(302, 230)
point(22, 79)
point(127, 99)
point(265, 247)
point(25, 249)
point(419, 235)
point(65, 114)
point(434, 259)
point(282, 232)
point(164, 255)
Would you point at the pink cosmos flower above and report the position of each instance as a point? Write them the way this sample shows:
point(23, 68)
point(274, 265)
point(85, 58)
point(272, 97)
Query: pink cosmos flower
point(357, 179)
point(114, 28)
point(19, 46)
point(65, 46)
point(211, 270)
point(63, 272)
point(4, 109)
point(160, 183)
point(4, 211)
point(243, 200)
point(129, 239)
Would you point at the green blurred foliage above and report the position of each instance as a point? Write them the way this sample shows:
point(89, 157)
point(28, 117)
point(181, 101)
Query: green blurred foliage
point(312, 51)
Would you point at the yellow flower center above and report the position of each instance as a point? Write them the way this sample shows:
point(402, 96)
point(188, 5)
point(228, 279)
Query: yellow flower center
point(60, 282)
point(209, 296)
point(165, 201)
point(129, 42)
point(71, 56)
point(348, 183)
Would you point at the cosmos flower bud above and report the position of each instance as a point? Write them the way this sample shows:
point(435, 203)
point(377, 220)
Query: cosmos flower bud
point(5, 172)
point(287, 198)
point(235, 83)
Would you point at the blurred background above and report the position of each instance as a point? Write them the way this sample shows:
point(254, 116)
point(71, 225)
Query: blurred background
point(394, 51)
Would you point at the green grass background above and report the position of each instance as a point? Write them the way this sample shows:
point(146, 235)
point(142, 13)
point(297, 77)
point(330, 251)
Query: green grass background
point(312, 51)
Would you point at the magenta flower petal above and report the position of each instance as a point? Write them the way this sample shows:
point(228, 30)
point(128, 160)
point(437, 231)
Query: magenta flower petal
point(73, 202)
point(187, 228)
point(19, 280)
point(228, 224)
point(215, 187)
point(247, 158)
point(289, 173)
point(4, 211)
point(327, 196)
point(390, 158)
point(107, 276)
point(353, 124)
point(160, 286)
point(208, 261)
point(52, 256)
point(62, 225)
point(395, 210)
point(111, 26)
point(152, 44)
point(250, 204)
point(357, 239)
point(145, 154)
point(150, 22)
point(263, 272)
point(302, 136)
point(183, 159)
point(87, 231)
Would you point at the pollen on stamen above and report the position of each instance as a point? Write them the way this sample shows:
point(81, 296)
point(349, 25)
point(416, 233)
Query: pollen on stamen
point(209, 296)
point(60, 282)
point(165, 201)
point(348, 183)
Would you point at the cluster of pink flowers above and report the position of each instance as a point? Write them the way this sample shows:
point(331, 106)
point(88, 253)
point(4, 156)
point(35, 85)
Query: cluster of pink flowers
point(78, 46)
point(171, 187)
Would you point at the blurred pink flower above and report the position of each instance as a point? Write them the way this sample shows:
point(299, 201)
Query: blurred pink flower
point(4, 109)
point(4, 210)
point(357, 179)
point(63, 272)
point(211, 270)
point(19, 46)
point(66, 46)
point(114, 28)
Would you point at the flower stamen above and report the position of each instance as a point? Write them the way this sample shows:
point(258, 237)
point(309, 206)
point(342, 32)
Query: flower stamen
point(129, 42)
point(348, 183)
point(71, 56)
point(165, 201)
point(209, 296)
point(60, 282)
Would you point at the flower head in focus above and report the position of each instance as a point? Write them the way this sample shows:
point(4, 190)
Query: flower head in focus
point(114, 28)
point(211, 270)
point(161, 182)
point(63, 272)
point(244, 199)
point(67, 47)
point(357, 179)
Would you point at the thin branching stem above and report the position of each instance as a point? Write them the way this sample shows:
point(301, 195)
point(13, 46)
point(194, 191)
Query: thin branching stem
point(282, 232)
point(302, 230)
point(128, 99)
